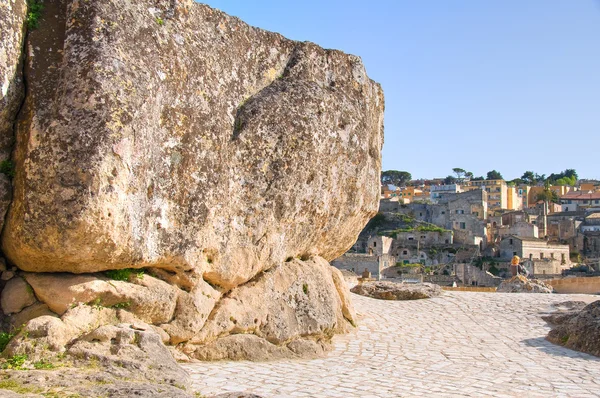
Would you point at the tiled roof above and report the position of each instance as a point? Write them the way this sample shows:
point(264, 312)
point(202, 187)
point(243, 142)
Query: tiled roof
point(581, 195)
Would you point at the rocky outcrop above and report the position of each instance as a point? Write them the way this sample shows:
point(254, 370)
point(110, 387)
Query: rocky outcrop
point(385, 290)
point(170, 135)
point(520, 284)
point(578, 330)
point(229, 163)
point(293, 300)
point(12, 26)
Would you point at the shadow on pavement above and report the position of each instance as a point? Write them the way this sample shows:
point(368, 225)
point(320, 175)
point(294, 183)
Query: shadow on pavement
point(549, 348)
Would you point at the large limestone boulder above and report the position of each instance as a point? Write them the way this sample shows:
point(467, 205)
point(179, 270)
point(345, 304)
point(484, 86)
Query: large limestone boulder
point(12, 26)
point(228, 162)
point(170, 135)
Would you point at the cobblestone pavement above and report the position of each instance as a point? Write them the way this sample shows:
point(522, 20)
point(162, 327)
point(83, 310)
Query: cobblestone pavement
point(459, 344)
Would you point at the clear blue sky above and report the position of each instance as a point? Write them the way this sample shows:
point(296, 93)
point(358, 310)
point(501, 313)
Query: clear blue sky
point(511, 85)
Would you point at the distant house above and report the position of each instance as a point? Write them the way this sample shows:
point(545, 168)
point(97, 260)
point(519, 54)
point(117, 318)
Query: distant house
point(591, 223)
point(579, 200)
point(532, 248)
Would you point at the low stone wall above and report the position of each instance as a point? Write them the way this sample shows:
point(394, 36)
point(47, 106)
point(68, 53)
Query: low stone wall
point(581, 285)
point(470, 289)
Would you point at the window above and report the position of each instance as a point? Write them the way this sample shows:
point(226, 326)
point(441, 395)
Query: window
point(405, 252)
point(460, 212)
point(541, 256)
point(462, 225)
point(530, 256)
point(423, 236)
point(510, 241)
point(567, 208)
point(411, 238)
point(443, 212)
point(552, 256)
point(514, 253)
point(420, 214)
point(476, 213)
point(374, 244)
point(447, 241)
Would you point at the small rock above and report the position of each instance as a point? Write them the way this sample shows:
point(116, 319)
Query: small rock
point(520, 284)
point(16, 295)
point(7, 275)
point(385, 290)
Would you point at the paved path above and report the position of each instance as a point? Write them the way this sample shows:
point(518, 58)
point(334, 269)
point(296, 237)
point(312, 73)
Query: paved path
point(460, 344)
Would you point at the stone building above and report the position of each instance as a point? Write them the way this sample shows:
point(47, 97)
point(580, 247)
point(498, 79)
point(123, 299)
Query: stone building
point(531, 248)
point(359, 262)
point(464, 213)
point(522, 229)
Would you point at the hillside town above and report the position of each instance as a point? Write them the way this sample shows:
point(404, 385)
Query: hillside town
point(465, 230)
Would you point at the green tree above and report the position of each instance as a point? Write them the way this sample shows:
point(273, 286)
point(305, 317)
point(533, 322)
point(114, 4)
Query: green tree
point(460, 173)
point(494, 175)
point(547, 195)
point(529, 178)
point(450, 180)
point(396, 177)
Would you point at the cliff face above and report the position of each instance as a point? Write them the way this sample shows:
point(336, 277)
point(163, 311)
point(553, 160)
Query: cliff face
point(169, 136)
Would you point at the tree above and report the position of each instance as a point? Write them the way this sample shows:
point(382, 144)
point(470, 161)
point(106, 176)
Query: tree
point(398, 178)
point(548, 195)
point(460, 173)
point(480, 178)
point(469, 175)
point(571, 173)
point(450, 180)
point(529, 178)
point(516, 181)
point(494, 175)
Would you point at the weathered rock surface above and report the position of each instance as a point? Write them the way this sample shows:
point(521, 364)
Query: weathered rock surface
point(16, 295)
point(150, 299)
point(520, 284)
point(578, 330)
point(385, 290)
point(562, 312)
point(12, 26)
point(122, 349)
point(170, 135)
point(295, 301)
point(116, 361)
point(89, 381)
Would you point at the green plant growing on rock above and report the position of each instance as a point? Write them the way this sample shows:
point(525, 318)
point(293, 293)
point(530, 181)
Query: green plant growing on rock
point(43, 364)
point(305, 288)
point(15, 362)
point(34, 13)
point(124, 304)
point(123, 274)
point(160, 21)
point(4, 340)
point(7, 168)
